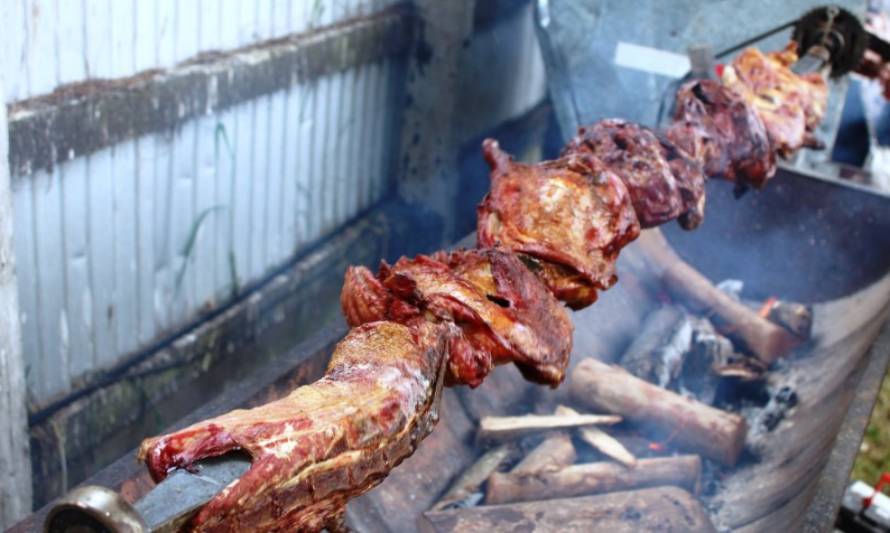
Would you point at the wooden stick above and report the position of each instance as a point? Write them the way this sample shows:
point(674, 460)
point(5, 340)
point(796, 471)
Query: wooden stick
point(691, 425)
point(602, 441)
point(502, 428)
point(655, 509)
point(594, 478)
point(472, 478)
point(761, 337)
point(554, 452)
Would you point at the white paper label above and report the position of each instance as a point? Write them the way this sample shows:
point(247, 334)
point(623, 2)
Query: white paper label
point(651, 60)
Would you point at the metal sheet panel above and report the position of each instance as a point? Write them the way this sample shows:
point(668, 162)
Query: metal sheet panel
point(125, 245)
point(52, 42)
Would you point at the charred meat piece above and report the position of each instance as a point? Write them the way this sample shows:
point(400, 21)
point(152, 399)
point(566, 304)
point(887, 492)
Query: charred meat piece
point(723, 132)
point(323, 443)
point(530, 320)
point(791, 106)
point(572, 212)
point(504, 312)
point(664, 183)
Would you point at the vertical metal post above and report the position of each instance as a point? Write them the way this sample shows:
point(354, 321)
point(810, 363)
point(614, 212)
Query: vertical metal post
point(428, 155)
point(15, 456)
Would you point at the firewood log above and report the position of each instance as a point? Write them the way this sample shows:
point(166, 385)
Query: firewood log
point(594, 478)
point(764, 339)
point(601, 441)
point(654, 509)
point(689, 425)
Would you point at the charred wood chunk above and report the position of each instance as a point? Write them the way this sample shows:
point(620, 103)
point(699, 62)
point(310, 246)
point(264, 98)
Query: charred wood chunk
point(464, 489)
point(755, 334)
point(654, 509)
point(793, 316)
point(554, 452)
point(657, 352)
point(689, 425)
point(594, 478)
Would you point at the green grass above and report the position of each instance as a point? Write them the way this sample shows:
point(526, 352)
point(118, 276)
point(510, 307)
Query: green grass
point(874, 453)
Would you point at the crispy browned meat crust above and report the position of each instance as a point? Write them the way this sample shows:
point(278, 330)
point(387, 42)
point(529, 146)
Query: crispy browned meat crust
point(664, 183)
point(573, 212)
point(791, 106)
point(504, 312)
point(723, 132)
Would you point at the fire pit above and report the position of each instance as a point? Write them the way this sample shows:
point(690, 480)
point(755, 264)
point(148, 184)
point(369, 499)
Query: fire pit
point(834, 254)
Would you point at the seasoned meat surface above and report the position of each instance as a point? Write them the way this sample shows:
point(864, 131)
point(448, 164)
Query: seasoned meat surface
point(717, 127)
point(504, 312)
point(573, 212)
point(790, 105)
point(323, 443)
point(664, 183)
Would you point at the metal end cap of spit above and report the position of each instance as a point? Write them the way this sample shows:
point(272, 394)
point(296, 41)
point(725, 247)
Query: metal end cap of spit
point(93, 509)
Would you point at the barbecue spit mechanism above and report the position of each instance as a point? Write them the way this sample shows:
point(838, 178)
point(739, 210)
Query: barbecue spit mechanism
point(830, 36)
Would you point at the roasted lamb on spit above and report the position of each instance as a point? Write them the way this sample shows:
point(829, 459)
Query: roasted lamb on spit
point(504, 313)
point(324, 443)
point(790, 105)
point(546, 232)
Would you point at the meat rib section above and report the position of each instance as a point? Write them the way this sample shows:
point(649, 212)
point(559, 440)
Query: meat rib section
point(504, 313)
point(664, 183)
point(790, 105)
point(723, 132)
point(324, 443)
point(570, 216)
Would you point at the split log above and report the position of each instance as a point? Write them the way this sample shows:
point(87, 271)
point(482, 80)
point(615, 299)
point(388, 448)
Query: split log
point(683, 471)
point(655, 509)
point(502, 428)
point(471, 480)
point(689, 425)
point(793, 316)
point(656, 353)
point(766, 340)
point(554, 452)
point(601, 441)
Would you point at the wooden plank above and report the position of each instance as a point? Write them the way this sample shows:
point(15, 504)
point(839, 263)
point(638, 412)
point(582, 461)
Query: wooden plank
point(15, 457)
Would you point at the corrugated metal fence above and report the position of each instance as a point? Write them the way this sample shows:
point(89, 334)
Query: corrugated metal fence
point(122, 245)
